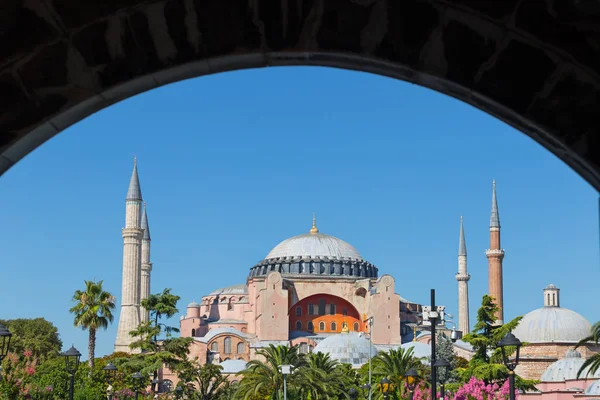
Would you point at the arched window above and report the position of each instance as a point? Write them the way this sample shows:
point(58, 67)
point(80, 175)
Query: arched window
point(321, 326)
point(193, 332)
point(303, 348)
point(240, 348)
point(554, 299)
point(333, 326)
point(298, 325)
point(230, 304)
point(214, 347)
point(227, 345)
point(310, 326)
point(356, 328)
point(549, 299)
point(298, 311)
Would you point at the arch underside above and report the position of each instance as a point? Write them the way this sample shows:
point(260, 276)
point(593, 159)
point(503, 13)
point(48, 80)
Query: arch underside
point(534, 65)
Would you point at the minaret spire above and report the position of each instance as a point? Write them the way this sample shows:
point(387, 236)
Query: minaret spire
point(495, 216)
point(495, 256)
point(129, 318)
point(314, 229)
point(463, 277)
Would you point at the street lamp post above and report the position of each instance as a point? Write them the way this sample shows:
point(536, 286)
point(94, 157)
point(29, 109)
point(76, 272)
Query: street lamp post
point(384, 386)
point(5, 336)
point(506, 344)
point(370, 322)
point(285, 371)
point(137, 383)
point(411, 381)
point(443, 369)
point(72, 357)
point(110, 371)
point(353, 394)
point(433, 317)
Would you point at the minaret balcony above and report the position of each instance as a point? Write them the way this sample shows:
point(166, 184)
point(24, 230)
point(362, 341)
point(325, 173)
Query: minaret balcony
point(463, 277)
point(494, 252)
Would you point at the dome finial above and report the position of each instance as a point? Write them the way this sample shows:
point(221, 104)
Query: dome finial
point(314, 229)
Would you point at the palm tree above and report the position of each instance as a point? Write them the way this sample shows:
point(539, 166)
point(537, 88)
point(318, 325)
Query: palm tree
point(93, 310)
point(592, 364)
point(394, 364)
point(264, 378)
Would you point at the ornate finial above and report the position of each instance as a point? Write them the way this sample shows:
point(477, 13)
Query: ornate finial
point(314, 229)
point(134, 160)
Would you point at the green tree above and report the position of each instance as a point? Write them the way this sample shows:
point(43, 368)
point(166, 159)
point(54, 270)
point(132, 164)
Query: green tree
point(36, 335)
point(264, 380)
point(203, 382)
point(93, 311)
point(444, 350)
point(592, 364)
point(486, 363)
point(393, 365)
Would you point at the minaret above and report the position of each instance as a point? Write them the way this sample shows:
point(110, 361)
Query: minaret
point(146, 265)
point(132, 247)
point(463, 283)
point(495, 255)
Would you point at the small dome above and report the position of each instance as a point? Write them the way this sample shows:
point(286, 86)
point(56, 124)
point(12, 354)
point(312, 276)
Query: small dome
point(551, 286)
point(420, 350)
point(552, 324)
point(566, 369)
point(593, 389)
point(193, 304)
point(232, 366)
point(314, 245)
point(347, 348)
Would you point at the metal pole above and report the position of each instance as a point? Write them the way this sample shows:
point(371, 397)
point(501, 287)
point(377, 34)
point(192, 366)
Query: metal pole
point(511, 384)
point(443, 390)
point(71, 386)
point(370, 346)
point(284, 387)
point(411, 394)
point(433, 369)
point(136, 394)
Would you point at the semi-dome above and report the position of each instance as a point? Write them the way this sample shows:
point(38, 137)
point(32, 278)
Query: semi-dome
point(552, 324)
point(193, 304)
point(593, 389)
point(315, 253)
point(240, 288)
point(232, 366)
point(347, 348)
point(567, 368)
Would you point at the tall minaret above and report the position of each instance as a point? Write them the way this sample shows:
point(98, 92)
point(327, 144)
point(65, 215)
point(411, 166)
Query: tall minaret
point(132, 249)
point(463, 283)
point(146, 264)
point(495, 255)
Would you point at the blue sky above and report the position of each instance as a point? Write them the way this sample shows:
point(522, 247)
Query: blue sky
point(232, 164)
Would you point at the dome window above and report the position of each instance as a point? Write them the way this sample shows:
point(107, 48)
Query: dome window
point(333, 326)
point(240, 348)
point(214, 347)
point(227, 345)
point(299, 311)
point(322, 326)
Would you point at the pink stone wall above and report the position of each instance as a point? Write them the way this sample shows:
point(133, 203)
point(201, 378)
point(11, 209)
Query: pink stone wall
point(385, 309)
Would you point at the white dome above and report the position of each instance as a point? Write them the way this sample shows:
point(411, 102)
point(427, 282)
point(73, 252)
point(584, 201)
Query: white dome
point(552, 324)
point(347, 348)
point(314, 245)
point(593, 389)
point(420, 350)
point(566, 369)
point(232, 366)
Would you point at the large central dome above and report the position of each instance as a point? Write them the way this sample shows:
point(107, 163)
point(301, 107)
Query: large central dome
point(314, 245)
point(313, 254)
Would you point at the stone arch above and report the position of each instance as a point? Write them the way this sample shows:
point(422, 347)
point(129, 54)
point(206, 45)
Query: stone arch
point(533, 65)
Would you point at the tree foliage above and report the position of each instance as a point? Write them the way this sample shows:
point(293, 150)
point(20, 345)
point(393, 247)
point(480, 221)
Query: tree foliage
point(92, 311)
point(592, 364)
point(487, 364)
point(36, 335)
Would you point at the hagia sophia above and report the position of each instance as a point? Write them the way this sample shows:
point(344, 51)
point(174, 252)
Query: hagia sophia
point(318, 292)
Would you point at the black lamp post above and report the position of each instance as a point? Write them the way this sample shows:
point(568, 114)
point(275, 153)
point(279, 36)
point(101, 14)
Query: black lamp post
point(156, 385)
point(411, 381)
point(506, 345)
point(385, 387)
point(137, 383)
point(72, 357)
point(178, 392)
point(5, 336)
point(353, 394)
point(110, 372)
point(443, 367)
